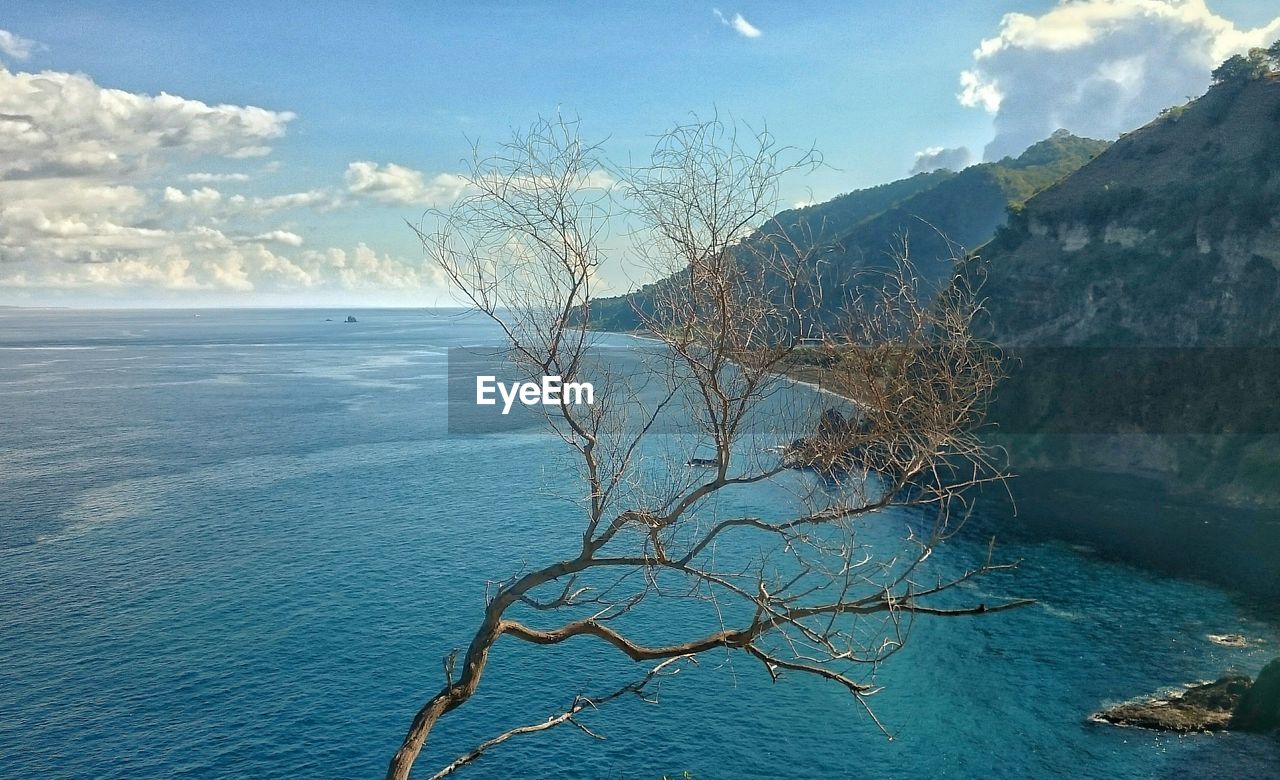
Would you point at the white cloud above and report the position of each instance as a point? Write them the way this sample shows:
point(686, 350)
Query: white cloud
point(597, 179)
point(936, 157)
point(400, 186)
point(322, 199)
point(72, 221)
point(86, 237)
point(61, 124)
point(16, 46)
point(84, 206)
point(202, 197)
point(1097, 67)
point(214, 178)
point(280, 237)
point(364, 268)
point(92, 237)
point(739, 24)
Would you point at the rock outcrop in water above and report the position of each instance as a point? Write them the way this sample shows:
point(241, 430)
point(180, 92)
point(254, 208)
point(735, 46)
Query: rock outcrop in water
point(1232, 702)
point(829, 450)
point(843, 444)
point(1206, 707)
point(1259, 708)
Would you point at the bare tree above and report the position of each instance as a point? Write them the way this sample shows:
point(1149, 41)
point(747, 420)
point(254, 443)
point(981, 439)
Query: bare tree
point(798, 591)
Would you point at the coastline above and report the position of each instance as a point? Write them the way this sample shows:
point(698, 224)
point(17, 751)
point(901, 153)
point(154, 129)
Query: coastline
point(1123, 518)
point(792, 374)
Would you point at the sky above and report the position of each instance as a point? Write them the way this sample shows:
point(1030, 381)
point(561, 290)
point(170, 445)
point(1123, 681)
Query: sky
point(269, 153)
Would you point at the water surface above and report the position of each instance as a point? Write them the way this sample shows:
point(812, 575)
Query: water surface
point(237, 545)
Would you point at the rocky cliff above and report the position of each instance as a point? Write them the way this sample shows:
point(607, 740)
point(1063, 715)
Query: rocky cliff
point(1140, 300)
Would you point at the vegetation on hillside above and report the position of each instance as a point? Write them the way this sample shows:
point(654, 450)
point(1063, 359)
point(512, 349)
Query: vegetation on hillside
point(1167, 237)
point(827, 219)
point(1258, 63)
point(859, 235)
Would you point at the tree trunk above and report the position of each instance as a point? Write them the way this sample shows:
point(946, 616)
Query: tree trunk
point(449, 698)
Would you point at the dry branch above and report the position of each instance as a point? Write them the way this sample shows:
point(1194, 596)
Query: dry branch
point(580, 703)
point(799, 589)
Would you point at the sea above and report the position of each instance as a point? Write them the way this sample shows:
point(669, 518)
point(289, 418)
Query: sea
point(238, 544)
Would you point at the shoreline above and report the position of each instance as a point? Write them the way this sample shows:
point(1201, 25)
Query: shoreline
point(796, 379)
point(1190, 538)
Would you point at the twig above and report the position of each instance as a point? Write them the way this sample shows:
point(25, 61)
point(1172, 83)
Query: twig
point(580, 703)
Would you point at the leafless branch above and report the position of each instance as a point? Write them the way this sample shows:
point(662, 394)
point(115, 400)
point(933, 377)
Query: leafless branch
point(709, 414)
point(579, 704)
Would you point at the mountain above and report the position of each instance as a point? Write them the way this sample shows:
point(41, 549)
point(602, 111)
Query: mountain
point(935, 212)
point(1136, 290)
point(1139, 299)
point(1167, 238)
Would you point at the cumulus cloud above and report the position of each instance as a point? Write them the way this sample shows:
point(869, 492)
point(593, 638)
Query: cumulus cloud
point(87, 203)
point(202, 197)
point(400, 186)
point(83, 235)
point(739, 24)
point(366, 269)
point(49, 227)
point(280, 237)
point(103, 238)
point(1097, 67)
point(16, 46)
point(936, 157)
point(62, 124)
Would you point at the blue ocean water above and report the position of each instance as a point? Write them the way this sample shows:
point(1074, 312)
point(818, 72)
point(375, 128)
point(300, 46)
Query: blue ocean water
point(237, 544)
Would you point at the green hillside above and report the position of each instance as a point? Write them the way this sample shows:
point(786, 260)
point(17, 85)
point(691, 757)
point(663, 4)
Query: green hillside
point(936, 213)
point(1167, 238)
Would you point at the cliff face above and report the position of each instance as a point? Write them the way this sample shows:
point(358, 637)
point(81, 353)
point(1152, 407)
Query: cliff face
point(1141, 298)
point(1171, 237)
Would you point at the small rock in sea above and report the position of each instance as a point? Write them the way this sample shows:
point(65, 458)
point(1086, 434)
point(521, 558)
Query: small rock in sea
point(1229, 640)
point(1205, 707)
point(350, 318)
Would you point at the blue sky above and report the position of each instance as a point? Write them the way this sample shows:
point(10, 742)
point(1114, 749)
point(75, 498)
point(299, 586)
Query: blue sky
point(871, 84)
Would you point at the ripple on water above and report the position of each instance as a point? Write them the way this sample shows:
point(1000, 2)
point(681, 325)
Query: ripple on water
point(259, 579)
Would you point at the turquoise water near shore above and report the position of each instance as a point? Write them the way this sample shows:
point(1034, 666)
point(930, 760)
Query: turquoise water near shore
point(238, 544)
